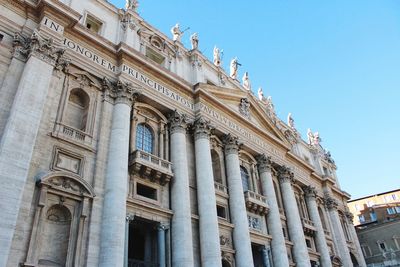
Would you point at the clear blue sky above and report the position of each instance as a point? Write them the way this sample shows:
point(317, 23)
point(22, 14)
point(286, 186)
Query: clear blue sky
point(334, 64)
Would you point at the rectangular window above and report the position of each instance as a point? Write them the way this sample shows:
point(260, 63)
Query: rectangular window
point(391, 210)
point(221, 212)
point(361, 218)
point(93, 24)
point(308, 242)
point(358, 207)
point(397, 209)
point(146, 191)
point(372, 215)
point(394, 197)
point(370, 203)
point(387, 198)
point(382, 245)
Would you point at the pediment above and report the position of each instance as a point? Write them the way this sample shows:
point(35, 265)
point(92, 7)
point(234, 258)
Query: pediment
point(246, 107)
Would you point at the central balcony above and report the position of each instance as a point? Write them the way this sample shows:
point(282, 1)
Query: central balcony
point(150, 167)
point(256, 203)
point(308, 226)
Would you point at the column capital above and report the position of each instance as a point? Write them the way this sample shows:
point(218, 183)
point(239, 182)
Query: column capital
point(162, 227)
point(129, 217)
point(178, 122)
point(40, 47)
point(349, 216)
point(330, 202)
point(285, 174)
point(264, 163)
point(202, 128)
point(310, 191)
point(121, 92)
point(231, 143)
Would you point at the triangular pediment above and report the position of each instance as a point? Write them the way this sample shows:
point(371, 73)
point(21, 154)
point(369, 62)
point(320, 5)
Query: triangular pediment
point(245, 106)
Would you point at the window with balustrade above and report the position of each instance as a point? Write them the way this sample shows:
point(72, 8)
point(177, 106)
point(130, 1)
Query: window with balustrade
point(77, 109)
point(144, 138)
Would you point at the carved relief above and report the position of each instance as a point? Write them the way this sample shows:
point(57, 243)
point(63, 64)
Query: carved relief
point(225, 241)
point(64, 160)
point(244, 107)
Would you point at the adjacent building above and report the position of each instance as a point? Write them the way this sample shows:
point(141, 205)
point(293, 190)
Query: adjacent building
point(377, 222)
point(121, 147)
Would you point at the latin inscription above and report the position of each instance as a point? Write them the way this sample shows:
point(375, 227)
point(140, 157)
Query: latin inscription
point(52, 25)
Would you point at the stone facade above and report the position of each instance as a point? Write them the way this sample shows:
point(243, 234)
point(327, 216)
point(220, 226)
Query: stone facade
point(377, 223)
point(121, 147)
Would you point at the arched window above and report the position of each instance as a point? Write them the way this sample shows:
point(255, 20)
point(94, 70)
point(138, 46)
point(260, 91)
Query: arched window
point(216, 164)
point(321, 215)
point(245, 178)
point(77, 110)
point(144, 138)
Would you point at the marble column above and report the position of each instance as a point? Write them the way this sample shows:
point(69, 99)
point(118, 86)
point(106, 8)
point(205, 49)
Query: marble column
point(337, 231)
point(279, 252)
point(295, 227)
point(112, 236)
point(22, 126)
point(241, 235)
point(181, 223)
point(320, 240)
point(161, 245)
point(354, 238)
point(208, 219)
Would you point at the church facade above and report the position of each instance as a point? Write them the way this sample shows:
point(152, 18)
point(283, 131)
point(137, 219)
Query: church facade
point(121, 147)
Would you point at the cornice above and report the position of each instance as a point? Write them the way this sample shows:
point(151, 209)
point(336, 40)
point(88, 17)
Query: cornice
point(65, 15)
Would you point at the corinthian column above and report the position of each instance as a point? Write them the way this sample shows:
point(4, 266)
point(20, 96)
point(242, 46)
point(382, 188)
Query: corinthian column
point(337, 230)
point(279, 252)
point(241, 235)
point(354, 238)
point(295, 227)
point(209, 231)
point(114, 205)
point(19, 135)
point(320, 240)
point(181, 224)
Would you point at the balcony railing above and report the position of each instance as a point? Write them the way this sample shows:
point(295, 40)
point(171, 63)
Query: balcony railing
point(256, 202)
point(220, 187)
point(71, 134)
point(150, 167)
point(308, 226)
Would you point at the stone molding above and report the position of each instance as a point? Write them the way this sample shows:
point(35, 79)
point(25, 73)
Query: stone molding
point(310, 191)
point(121, 92)
point(232, 144)
point(330, 202)
point(285, 175)
point(202, 128)
point(40, 47)
point(178, 122)
point(264, 163)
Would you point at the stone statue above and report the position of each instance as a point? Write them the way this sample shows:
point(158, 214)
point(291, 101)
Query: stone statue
point(131, 4)
point(290, 121)
point(244, 107)
point(246, 81)
point(217, 56)
point(194, 40)
point(233, 68)
point(270, 106)
point(260, 94)
point(313, 138)
point(176, 33)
